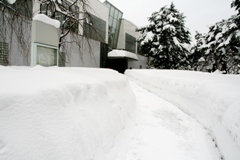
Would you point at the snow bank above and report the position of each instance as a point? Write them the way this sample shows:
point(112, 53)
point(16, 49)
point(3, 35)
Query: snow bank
point(212, 99)
point(61, 113)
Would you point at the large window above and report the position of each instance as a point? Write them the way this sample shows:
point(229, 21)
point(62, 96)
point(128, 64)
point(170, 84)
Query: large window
point(3, 53)
point(46, 56)
point(115, 16)
point(130, 43)
point(95, 28)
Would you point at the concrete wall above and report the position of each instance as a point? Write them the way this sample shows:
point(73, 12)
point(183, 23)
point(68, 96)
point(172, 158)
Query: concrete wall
point(121, 37)
point(17, 33)
point(130, 28)
point(127, 27)
point(44, 33)
point(141, 63)
point(85, 53)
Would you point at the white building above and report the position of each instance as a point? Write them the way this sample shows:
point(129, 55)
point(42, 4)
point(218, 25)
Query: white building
point(123, 36)
point(91, 39)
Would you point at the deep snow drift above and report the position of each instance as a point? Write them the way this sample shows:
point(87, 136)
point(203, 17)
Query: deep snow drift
point(212, 99)
point(61, 113)
point(82, 113)
point(160, 130)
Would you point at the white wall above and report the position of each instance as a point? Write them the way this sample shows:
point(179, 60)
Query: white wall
point(121, 37)
point(130, 28)
point(127, 27)
point(84, 54)
point(18, 39)
point(142, 61)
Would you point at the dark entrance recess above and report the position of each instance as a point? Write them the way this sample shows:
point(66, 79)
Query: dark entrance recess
point(103, 55)
point(119, 65)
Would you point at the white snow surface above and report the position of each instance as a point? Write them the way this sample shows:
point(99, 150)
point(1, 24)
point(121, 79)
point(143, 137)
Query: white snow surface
point(11, 1)
point(122, 53)
point(45, 19)
point(212, 99)
point(82, 113)
point(61, 113)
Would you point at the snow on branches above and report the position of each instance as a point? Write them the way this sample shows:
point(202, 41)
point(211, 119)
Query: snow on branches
point(166, 39)
point(219, 47)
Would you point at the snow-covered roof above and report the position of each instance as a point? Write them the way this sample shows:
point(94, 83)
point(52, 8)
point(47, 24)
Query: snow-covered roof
point(122, 54)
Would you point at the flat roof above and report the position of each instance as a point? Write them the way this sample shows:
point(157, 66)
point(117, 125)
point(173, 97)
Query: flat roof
point(122, 54)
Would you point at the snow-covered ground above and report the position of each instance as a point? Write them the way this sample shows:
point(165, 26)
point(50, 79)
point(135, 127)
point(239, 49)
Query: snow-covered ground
point(212, 99)
point(81, 113)
point(159, 130)
point(61, 113)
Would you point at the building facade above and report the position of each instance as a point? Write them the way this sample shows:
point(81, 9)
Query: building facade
point(87, 43)
point(123, 36)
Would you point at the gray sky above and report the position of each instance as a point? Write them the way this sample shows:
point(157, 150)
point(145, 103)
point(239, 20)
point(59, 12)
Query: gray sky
point(200, 14)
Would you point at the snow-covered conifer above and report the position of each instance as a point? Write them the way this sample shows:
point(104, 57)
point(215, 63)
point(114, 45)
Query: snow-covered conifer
point(166, 39)
point(221, 47)
point(196, 57)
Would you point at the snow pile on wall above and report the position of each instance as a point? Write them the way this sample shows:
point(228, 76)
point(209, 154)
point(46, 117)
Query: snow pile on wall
point(11, 1)
point(61, 113)
point(45, 19)
point(213, 99)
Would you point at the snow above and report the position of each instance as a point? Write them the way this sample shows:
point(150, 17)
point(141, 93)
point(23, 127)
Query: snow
point(148, 37)
point(122, 53)
point(11, 1)
point(176, 42)
point(171, 18)
point(45, 19)
point(159, 130)
point(61, 113)
point(169, 27)
point(212, 99)
point(83, 113)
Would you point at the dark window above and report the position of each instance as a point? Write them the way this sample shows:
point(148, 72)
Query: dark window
point(3, 53)
point(130, 43)
point(139, 49)
point(95, 28)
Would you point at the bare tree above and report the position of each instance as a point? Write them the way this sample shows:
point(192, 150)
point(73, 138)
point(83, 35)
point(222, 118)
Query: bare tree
point(15, 21)
point(69, 14)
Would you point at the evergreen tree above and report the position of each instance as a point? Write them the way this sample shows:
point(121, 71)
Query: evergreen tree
point(236, 4)
point(196, 57)
point(165, 40)
point(221, 47)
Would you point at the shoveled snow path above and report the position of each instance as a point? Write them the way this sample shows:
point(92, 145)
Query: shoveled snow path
point(159, 130)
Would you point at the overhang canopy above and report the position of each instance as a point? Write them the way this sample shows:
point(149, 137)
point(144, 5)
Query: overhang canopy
point(114, 54)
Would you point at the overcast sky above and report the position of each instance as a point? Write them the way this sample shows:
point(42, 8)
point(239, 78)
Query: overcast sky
point(200, 14)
